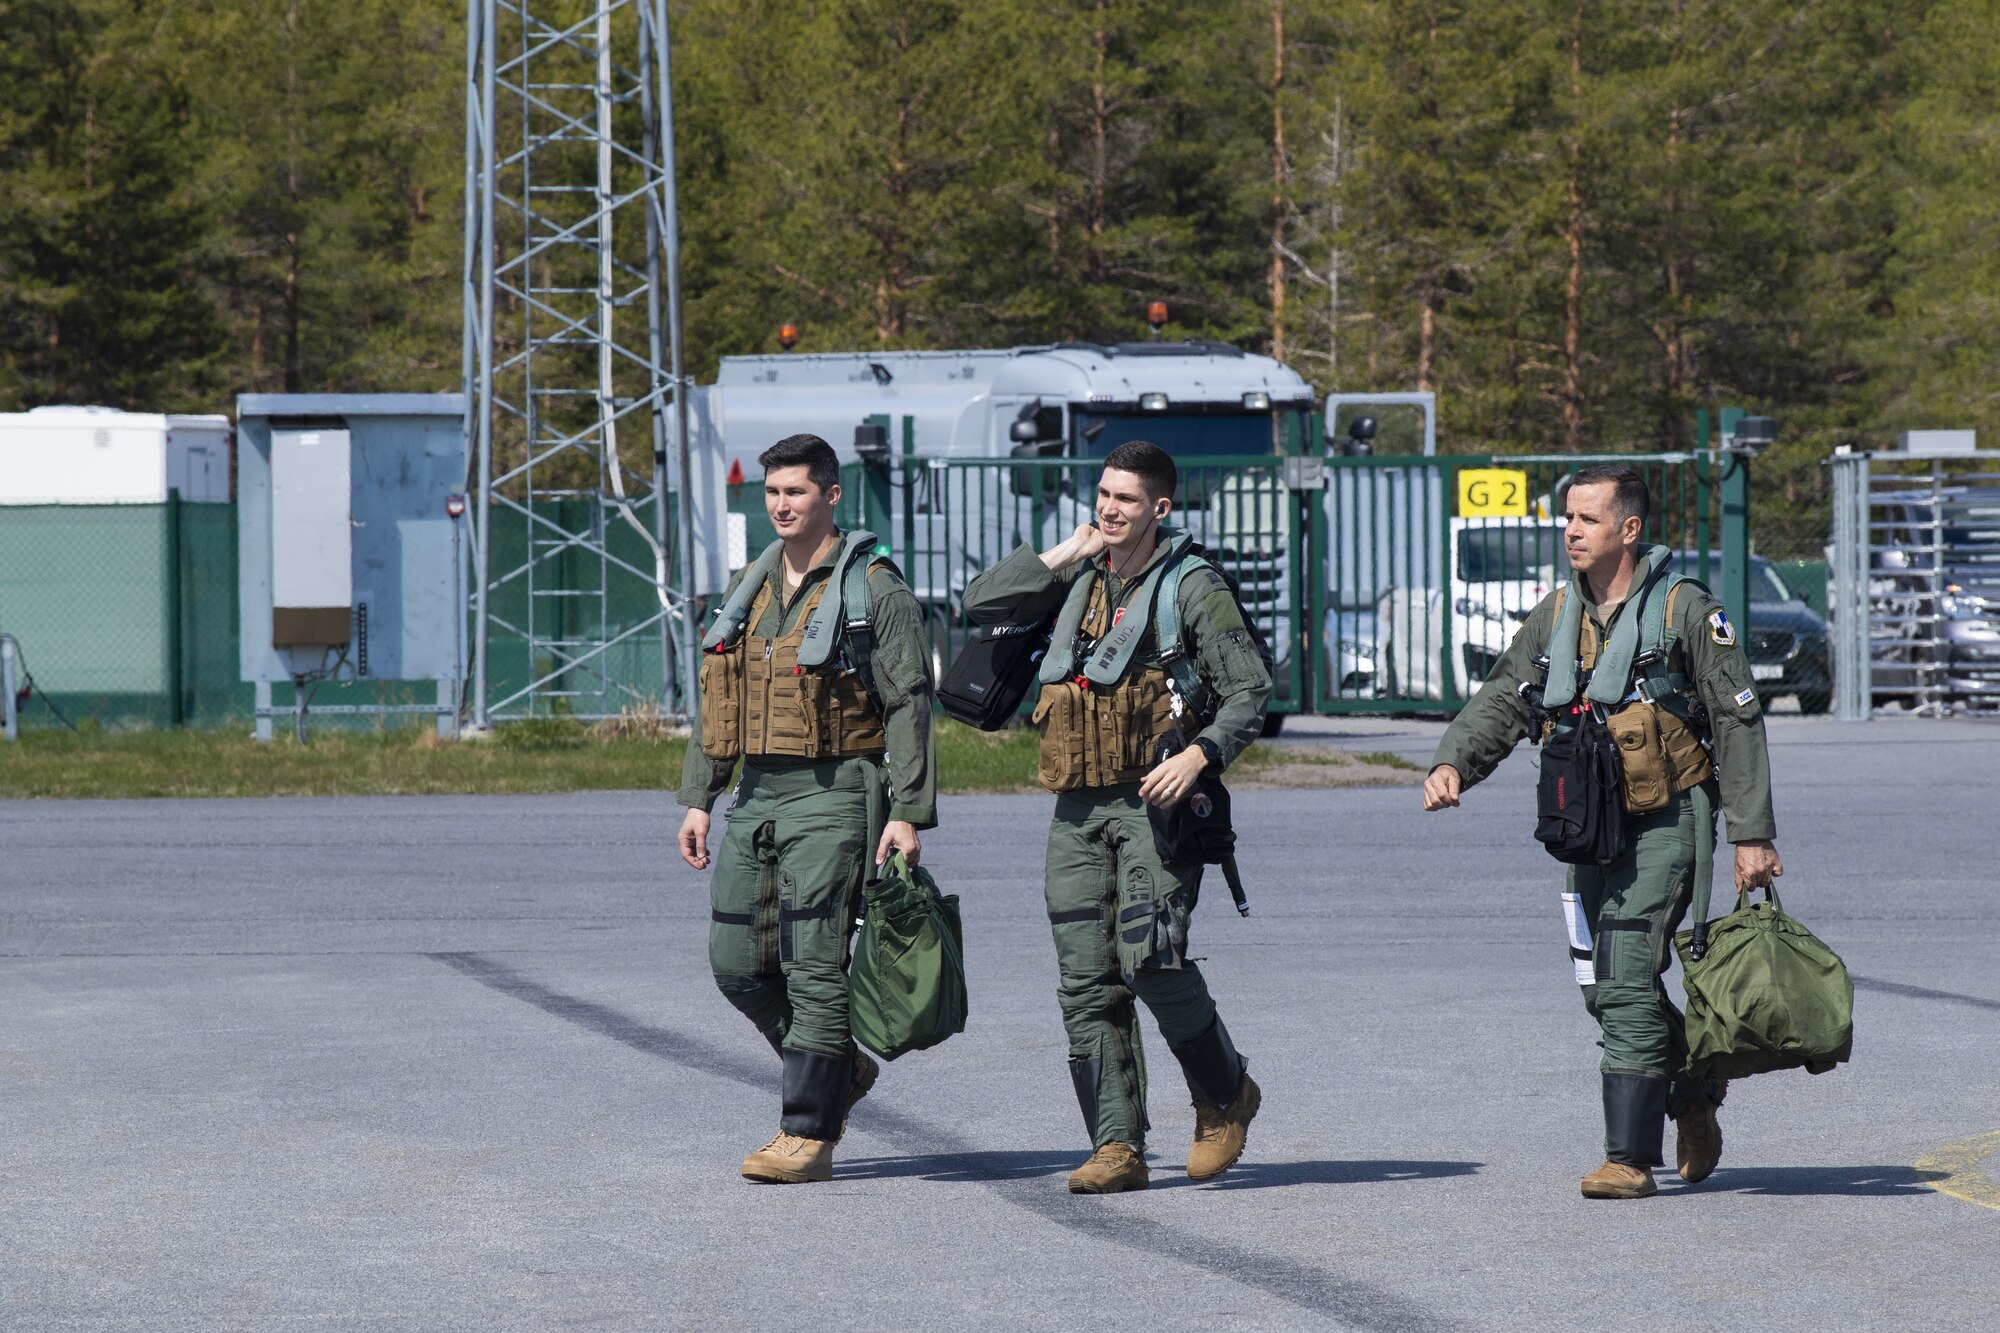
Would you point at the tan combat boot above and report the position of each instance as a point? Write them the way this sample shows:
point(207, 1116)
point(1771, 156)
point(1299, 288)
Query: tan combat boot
point(1697, 1144)
point(1698, 1137)
point(1112, 1169)
point(1615, 1180)
point(866, 1071)
point(790, 1160)
point(1220, 1132)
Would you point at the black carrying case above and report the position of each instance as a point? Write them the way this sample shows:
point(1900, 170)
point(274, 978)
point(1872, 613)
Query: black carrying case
point(990, 676)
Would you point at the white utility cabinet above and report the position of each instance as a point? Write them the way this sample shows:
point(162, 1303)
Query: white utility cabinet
point(102, 456)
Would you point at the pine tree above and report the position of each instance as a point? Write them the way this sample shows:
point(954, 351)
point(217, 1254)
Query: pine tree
point(334, 167)
point(96, 264)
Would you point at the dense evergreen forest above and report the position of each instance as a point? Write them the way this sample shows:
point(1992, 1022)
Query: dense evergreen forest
point(1576, 220)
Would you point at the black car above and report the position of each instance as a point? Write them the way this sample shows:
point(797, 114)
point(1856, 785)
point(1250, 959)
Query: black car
point(1786, 640)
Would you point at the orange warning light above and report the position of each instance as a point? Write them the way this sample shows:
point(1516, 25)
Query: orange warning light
point(788, 336)
point(1156, 315)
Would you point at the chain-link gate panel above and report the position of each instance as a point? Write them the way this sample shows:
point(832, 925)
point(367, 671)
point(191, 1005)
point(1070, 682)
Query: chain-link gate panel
point(1429, 566)
point(1916, 583)
point(965, 515)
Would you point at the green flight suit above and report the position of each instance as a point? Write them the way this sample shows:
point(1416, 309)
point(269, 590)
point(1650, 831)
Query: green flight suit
point(787, 880)
point(1119, 914)
point(1628, 911)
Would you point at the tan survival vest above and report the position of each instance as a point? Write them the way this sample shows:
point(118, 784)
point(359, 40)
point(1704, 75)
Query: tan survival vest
point(1661, 752)
point(1096, 735)
point(757, 700)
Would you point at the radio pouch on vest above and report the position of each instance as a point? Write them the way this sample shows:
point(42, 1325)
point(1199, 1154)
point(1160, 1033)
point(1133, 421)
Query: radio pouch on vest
point(1579, 810)
point(1196, 830)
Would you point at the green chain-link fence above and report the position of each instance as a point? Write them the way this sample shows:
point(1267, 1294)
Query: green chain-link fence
point(125, 614)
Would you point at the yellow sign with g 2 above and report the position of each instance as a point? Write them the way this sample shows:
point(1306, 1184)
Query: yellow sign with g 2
point(1492, 492)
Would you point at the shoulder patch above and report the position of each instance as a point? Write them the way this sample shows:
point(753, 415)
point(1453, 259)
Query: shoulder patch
point(1746, 698)
point(1720, 630)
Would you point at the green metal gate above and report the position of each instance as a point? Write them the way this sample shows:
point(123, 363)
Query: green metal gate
point(957, 517)
point(1429, 565)
point(1381, 584)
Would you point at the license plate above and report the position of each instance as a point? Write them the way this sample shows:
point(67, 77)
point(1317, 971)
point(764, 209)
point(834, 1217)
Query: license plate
point(1766, 671)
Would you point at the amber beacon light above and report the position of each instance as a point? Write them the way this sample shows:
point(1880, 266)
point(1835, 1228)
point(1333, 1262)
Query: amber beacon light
point(788, 336)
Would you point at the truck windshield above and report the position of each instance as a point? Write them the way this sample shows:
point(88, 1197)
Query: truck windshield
point(1184, 436)
point(1510, 555)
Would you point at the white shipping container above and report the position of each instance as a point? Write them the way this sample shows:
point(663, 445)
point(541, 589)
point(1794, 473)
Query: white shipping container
point(99, 455)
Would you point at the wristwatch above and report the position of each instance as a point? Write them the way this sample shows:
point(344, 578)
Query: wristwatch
point(1211, 749)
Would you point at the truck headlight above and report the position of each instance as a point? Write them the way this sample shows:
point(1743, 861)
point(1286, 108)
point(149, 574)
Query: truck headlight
point(1152, 402)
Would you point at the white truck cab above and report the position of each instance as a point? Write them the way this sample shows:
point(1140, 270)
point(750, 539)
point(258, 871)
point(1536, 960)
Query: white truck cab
point(1081, 400)
point(1501, 568)
point(941, 428)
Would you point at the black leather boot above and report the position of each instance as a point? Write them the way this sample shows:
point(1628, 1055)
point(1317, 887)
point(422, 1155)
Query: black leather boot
point(1214, 1070)
point(1635, 1113)
point(816, 1088)
point(1085, 1072)
point(1635, 1116)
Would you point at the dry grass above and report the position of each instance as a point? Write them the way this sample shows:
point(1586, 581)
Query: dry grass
point(638, 751)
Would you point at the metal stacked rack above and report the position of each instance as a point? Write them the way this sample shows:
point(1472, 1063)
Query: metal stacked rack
point(1916, 581)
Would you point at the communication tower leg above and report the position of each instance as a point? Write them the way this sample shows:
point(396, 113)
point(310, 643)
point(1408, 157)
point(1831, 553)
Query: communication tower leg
point(670, 227)
point(570, 200)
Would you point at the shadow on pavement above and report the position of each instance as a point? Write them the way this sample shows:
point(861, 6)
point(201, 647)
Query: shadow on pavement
point(1845, 1181)
point(989, 1166)
point(972, 1166)
point(1273, 1175)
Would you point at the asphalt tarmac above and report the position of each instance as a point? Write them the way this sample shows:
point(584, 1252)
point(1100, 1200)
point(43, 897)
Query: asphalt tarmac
point(458, 1064)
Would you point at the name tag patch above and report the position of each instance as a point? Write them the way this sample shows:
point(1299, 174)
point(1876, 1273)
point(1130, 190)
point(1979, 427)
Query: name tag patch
point(1744, 699)
point(1720, 630)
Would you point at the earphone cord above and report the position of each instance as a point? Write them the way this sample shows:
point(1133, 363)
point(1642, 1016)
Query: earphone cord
point(1156, 523)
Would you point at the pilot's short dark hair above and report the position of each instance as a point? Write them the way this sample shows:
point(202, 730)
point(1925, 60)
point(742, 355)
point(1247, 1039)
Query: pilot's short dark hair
point(812, 453)
point(1630, 495)
point(1150, 463)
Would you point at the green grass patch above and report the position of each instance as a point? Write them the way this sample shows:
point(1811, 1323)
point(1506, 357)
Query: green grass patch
point(1387, 760)
point(393, 763)
point(540, 755)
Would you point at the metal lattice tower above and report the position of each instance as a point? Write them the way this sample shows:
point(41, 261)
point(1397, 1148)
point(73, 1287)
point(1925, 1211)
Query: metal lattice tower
point(572, 357)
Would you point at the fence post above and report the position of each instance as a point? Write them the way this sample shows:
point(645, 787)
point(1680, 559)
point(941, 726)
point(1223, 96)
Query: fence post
point(1704, 499)
point(908, 471)
point(1847, 607)
point(10, 725)
point(1735, 589)
point(176, 712)
point(876, 504)
point(1322, 677)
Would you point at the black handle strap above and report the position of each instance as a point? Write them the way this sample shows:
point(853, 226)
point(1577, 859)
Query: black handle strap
point(1235, 886)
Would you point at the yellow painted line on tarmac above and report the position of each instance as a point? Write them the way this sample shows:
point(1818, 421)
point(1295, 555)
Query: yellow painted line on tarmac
point(1957, 1169)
